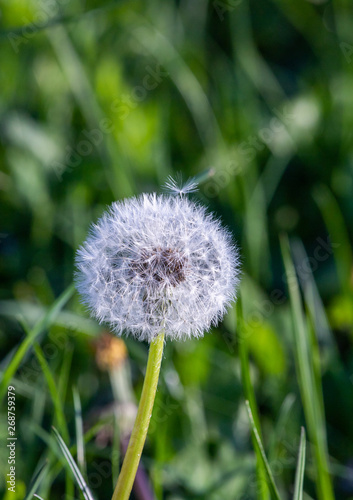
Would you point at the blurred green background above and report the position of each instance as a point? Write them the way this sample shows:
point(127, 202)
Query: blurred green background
point(104, 100)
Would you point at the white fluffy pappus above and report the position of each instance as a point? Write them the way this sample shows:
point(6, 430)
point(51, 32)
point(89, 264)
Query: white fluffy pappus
point(157, 262)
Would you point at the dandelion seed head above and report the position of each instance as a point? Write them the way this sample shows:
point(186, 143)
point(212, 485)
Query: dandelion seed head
point(158, 261)
point(177, 187)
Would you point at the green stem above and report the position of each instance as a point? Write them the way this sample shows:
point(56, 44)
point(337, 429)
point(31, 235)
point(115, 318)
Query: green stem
point(139, 432)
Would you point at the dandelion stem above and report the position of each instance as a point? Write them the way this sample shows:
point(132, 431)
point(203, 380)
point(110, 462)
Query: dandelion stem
point(138, 436)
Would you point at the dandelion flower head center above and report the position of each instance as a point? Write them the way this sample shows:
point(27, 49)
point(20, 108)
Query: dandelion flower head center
point(159, 267)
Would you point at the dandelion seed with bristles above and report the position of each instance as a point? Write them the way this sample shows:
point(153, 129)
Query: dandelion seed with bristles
point(177, 187)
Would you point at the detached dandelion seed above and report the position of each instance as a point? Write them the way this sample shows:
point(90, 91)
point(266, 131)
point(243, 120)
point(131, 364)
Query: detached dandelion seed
point(156, 267)
point(175, 187)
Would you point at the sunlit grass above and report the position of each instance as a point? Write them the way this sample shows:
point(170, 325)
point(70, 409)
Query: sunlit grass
point(256, 103)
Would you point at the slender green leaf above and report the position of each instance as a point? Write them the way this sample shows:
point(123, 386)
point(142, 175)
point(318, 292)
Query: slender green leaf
point(340, 241)
point(66, 319)
point(38, 328)
point(59, 411)
point(305, 374)
point(115, 454)
point(249, 393)
point(89, 434)
point(64, 375)
point(79, 431)
point(271, 482)
point(313, 300)
point(282, 421)
point(308, 379)
point(299, 476)
point(244, 361)
point(36, 480)
point(72, 464)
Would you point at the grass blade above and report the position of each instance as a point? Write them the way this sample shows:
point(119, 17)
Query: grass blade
point(249, 394)
point(59, 411)
point(310, 395)
point(64, 375)
point(79, 431)
point(90, 433)
point(36, 480)
point(282, 423)
point(72, 464)
point(299, 475)
point(38, 328)
point(266, 465)
point(340, 240)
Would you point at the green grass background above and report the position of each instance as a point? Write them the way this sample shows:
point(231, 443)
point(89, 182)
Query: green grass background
point(104, 100)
